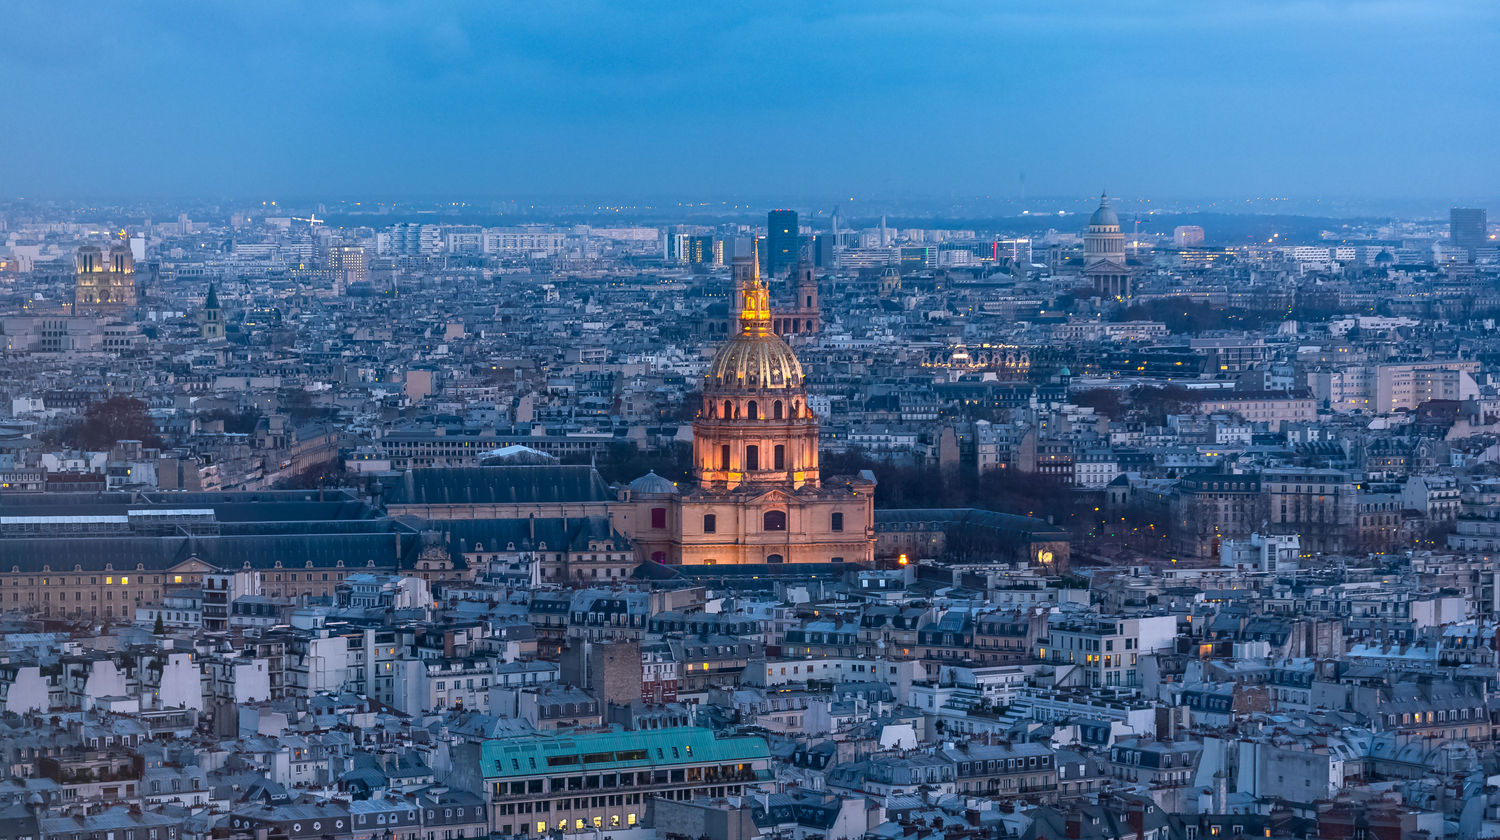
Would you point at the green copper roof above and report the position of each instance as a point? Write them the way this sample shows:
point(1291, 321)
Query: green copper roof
point(547, 754)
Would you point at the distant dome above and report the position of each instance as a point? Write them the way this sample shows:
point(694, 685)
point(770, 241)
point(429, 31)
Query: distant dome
point(755, 362)
point(1384, 257)
point(651, 483)
point(1105, 215)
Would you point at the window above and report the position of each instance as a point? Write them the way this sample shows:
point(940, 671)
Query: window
point(752, 411)
point(774, 520)
point(710, 523)
point(724, 457)
point(776, 410)
point(838, 520)
point(658, 517)
point(775, 558)
point(779, 457)
point(752, 457)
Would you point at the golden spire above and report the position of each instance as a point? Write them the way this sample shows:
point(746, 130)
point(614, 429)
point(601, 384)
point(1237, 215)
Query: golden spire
point(755, 300)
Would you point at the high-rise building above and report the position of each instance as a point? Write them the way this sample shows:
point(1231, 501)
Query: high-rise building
point(822, 250)
point(781, 241)
point(698, 250)
point(348, 266)
point(1468, 228)
point(1187, 236)
point(1016, 251)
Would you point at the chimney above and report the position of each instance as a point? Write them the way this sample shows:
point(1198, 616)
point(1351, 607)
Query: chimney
point(1073, 829)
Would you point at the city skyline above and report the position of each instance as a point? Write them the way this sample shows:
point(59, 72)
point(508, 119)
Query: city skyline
point(1301, 99)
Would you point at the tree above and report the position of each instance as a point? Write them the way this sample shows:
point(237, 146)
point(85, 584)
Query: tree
point(115, 419)
point(235, 422)
point(161, 627)
point(1104, 401)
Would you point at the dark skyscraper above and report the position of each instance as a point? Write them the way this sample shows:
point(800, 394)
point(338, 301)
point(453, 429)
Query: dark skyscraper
point(823, 250)
point(1468, 228)
point(781, 241)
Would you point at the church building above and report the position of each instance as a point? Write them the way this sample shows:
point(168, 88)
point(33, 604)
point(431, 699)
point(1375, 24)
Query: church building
point(758, 497)
point(102, 283)
point(1104, 254)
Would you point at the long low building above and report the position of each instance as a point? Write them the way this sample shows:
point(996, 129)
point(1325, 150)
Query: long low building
point(604, 780)
point(988, 534)
point(93, 555)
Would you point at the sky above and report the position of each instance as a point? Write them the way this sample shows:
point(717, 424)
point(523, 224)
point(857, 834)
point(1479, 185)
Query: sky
point(1353, 98)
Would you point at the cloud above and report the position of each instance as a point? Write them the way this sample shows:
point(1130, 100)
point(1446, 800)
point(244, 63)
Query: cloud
point(495, 96)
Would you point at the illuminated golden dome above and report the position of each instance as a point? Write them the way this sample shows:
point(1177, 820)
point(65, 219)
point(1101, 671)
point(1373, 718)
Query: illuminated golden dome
point(756, 358)
point(758, 362)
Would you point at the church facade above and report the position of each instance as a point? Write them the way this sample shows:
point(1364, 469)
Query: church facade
point(104, 283)
point(758, 496)
point(1104, 254)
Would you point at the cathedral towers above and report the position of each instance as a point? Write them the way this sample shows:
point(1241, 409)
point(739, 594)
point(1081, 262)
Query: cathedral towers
point(104, 281)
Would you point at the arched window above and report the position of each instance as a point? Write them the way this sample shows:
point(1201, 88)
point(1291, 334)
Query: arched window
point(724, 457)
point(710, 523)
point(778, 456)
point(659, 557)
point(752, 411)
point(776, 410)
point(728, 409)
point(752, 457)
point(774, 520)
point(775, 558)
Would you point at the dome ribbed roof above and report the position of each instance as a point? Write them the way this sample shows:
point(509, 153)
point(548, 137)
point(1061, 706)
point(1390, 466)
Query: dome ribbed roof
point(1104, 216)
point(652, 483)
point(758, 362)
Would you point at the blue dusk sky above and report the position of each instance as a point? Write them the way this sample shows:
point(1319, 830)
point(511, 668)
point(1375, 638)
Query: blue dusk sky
point(1357, 98)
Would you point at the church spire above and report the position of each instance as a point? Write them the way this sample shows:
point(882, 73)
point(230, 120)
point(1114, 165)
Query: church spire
point(755, 299)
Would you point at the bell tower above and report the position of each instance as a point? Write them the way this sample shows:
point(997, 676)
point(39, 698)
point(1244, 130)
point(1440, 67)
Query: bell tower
point(211, 320)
